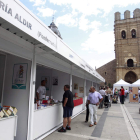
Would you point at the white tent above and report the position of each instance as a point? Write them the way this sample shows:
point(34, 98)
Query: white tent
point(136, 84)
point(121, 83)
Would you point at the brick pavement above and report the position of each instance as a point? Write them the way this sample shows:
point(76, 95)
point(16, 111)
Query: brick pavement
point(113, 124)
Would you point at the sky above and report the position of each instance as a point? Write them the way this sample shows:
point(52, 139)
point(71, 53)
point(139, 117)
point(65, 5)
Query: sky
point(86, 26)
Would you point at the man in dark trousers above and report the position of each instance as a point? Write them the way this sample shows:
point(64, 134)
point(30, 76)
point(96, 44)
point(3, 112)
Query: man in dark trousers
point(68, 106)
point(122, 95)
point(87, 109)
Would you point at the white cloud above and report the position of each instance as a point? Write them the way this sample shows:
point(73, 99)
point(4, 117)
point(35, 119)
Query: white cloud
point(46, 12)
point(38, 2)
point(98, 41)
point(95, 24)
point(91, 7)
point(67, 20)
point(100, 62)
point(106, 25)
point(85, 24)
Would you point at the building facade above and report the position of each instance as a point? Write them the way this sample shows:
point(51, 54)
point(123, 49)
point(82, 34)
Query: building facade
point(108, 71)
point(127, 46)
point(127, 49)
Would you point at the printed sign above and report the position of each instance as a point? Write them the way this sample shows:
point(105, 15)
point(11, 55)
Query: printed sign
point(55, 81)
point(81, 89)
point(75, 86)
point(19, 76)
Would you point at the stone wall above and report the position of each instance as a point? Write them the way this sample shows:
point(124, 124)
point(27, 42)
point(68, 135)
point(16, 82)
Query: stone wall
point(108, 71)
point(127, 47)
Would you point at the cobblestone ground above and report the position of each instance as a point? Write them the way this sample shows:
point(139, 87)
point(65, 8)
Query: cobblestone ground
point(119, 122)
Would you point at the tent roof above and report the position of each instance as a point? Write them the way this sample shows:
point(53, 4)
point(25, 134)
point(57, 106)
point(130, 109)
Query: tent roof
point(121, 83)
point(136, 84)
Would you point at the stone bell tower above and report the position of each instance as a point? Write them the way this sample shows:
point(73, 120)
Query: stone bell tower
point(127, 46)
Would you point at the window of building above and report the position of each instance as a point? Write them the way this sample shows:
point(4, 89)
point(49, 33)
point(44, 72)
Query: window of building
point(130, 63)
point(105, 73)
point(123, 34)
point(133, 32)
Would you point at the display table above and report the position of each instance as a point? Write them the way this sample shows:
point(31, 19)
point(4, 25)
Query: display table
point(46, 120)
point(8, 128)
point(78, 101)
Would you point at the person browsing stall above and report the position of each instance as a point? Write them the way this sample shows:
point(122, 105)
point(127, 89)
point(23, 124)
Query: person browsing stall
point(41, 90)
point(94, 99)
point(87, 109)
point(68, 106)
point(102, 92)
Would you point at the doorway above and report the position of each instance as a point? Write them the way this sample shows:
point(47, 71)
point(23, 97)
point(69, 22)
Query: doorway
point(130, 77)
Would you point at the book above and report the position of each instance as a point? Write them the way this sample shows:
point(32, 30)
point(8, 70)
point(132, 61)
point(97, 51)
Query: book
point(1, 114)
point(5, 113)
point(11, 110)
point(15, 110)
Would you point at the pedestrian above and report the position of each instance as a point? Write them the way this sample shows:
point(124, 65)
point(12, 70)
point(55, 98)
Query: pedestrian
point(94, 99)
point(68, 106)
point(87, 110)
point(139, 94)
point(122, 94)
point(108, 91)
point(116, 93)
point(111, 95)
point(126, 93)
point(102, 92)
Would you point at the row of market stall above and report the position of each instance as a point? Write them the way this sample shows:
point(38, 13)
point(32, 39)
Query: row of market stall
point(29, 53)
point(132, 89)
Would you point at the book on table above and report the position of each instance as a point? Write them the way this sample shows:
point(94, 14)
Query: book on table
point(1, 114)
point(10, 110)
point(5, 113)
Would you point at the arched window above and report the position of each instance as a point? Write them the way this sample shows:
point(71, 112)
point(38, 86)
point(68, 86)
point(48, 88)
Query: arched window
point(130, 63)
point(133, 33)
point(123, 34)
point(105, 73)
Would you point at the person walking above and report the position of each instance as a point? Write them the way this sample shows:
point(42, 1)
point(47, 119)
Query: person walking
point(87, 110)
point(122, 95)
point(94, 99)
point(102, 92)
point(126, 93)
point(111, 95)
point(116, 93)
point(108, 91)
point(139, 94)
point(68, 106)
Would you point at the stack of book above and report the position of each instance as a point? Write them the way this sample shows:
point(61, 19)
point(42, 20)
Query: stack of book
point(8, 111)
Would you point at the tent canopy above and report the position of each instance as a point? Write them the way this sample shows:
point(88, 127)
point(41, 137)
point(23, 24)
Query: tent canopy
point(121, 83)
point(136, 84)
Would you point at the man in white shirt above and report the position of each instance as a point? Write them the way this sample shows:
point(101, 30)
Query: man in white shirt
point(102, 92)
point(94, 99)
point(41, 91)
point(126, 92)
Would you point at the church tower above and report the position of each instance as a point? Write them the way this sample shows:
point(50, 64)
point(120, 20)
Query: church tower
point(127, 46)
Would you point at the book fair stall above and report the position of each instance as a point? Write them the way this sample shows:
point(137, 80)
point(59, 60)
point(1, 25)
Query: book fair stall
point(29, 55)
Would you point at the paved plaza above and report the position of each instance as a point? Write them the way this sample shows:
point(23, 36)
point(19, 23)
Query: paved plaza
point(120, 122)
